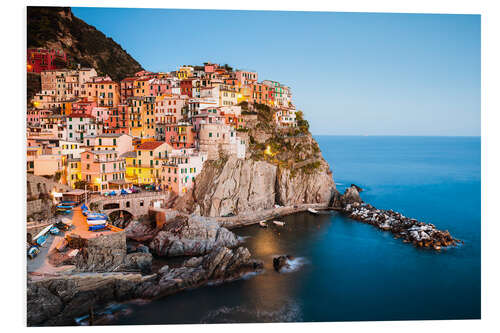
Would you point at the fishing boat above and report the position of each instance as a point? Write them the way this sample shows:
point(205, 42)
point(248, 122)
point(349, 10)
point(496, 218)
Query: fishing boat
point(41, 240)
point(33, 251)
point(279, 223)
point(64, 208)
point(263, 224)
point(43, 232)
point(97, 227)
point(96, 218)
point(54, 230)
point(313, 211)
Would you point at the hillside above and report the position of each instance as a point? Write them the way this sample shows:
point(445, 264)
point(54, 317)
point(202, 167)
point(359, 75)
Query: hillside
point(57, 27)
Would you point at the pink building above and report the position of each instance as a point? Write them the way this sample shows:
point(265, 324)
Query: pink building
point(158, 87)
point(101, 114)
point(103, 170)
point(34, 116)
point(178, 173)
point(83, 107)
point(246, 78)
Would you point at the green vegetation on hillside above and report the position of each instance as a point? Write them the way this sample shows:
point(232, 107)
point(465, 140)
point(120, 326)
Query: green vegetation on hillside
point(49, 26)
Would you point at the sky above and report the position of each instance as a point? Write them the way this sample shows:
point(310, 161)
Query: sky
point(350, 73)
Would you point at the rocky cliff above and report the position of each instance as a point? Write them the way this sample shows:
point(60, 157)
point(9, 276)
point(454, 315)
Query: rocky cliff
point(57, 27)
point(283, 167)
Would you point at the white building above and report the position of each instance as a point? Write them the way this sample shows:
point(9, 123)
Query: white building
point(79, 125)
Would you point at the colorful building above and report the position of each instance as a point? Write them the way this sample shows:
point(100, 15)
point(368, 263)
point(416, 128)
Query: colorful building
point(103, 170)
point(39, 59)
point(143, 165)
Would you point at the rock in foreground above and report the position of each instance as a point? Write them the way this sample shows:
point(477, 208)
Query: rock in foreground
point(59, 300)
point(197, 235)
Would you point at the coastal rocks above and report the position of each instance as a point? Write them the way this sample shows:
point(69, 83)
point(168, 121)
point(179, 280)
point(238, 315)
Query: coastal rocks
point(351, 195)
point(41, 303)
point(137, 262)
point(198, 236)
point(221, 265)
point(58, 300)
point(140, 231)
point(281, 262)
point(409, 230)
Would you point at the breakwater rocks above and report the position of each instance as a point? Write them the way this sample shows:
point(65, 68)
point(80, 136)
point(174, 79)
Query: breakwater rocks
point(58, 300)
point(408, 229)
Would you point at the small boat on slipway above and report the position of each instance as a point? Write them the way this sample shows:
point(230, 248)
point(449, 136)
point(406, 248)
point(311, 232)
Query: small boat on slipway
point(312, 211)
point(263, 224)
point(279, 223)
point(96, 218)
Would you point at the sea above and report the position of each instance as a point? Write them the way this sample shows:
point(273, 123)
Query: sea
point(345, 270)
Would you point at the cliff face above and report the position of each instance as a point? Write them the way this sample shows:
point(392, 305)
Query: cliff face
point(316, 186)
point(57, 27)
point(234, 186)
point(241, 186)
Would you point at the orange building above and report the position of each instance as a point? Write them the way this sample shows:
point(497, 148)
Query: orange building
point(104, 91)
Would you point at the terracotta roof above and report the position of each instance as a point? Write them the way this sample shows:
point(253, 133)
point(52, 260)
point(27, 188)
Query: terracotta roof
point(80, 115)
point(150, 145)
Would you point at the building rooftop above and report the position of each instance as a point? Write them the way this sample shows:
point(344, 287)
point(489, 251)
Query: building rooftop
point(150, 145)
point(104, 151)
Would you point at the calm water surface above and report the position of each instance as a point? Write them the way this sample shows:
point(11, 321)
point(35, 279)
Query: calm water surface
point(346, 270)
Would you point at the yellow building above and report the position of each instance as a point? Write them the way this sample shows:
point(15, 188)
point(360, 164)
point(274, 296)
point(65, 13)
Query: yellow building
point(185, 72)
point(73, 171)
point(144, 163)
point(142, 117)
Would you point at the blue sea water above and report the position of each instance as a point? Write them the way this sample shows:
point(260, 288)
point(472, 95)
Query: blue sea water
point(346, 270)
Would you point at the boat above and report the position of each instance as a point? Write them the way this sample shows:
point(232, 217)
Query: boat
point(43, 232)
point(96, 219)
point(97, 227)
point(33, 251)
point(279, 223)
point(313, 211)
point(263, 224)
point(54, 230)
point(64, 208)
point(96, 216)
point(68, 203)
point(41, 240)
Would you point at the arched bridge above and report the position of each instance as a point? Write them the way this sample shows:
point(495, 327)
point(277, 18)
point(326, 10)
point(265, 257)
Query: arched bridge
point(137, 204)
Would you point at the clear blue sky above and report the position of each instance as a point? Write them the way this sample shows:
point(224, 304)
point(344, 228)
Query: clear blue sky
point(351, 73)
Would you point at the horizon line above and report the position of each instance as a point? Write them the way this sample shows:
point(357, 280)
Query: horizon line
point(399, 135)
